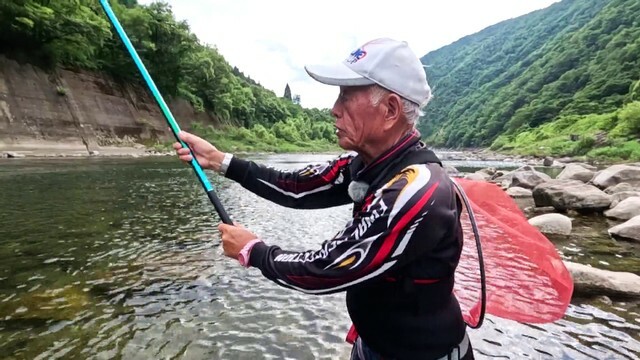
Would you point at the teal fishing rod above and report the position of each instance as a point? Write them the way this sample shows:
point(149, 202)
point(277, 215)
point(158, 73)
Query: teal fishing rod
point(165, 110)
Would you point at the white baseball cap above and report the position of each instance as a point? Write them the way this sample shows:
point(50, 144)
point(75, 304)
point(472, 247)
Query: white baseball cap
point(386, 62)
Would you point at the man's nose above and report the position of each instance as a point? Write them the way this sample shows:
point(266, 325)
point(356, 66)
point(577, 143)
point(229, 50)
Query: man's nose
point(335, 110)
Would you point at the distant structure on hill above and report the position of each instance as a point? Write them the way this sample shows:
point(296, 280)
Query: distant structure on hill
point(287, 95)
point(287, 92)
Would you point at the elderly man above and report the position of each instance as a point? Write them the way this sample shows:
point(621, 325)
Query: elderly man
point(397, 256)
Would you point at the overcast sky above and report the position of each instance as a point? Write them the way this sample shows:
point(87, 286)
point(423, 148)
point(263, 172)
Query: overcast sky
point(271, 41)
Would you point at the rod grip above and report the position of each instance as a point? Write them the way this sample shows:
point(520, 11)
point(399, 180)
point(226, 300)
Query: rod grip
point(218, 206)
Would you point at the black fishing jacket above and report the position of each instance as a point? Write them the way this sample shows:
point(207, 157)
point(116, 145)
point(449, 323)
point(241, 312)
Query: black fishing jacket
point(395, 258)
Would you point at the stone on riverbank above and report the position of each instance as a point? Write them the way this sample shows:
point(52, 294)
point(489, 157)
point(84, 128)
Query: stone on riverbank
point(517, 192)
point(543, 193)
point(617, 174)
point(619, 196)
point(621, 187)
point(552, 224)
point(532, 211)
point(587, 166)
point(528, 179)
point(566, 195)
point(575, 172)
point(478, 176)
point(630, 229)
point(590, 281)
point(625, 209)
point(491, 171)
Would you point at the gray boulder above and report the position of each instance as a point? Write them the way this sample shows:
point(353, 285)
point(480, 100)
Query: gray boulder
point(582, 198)
point(478, 176)
point(617, 174)
point(552, 224)
point(589, 281)
point(575, 172)
point(505, 177)
point(587, 166)
point(619, 188)
point(619, 196)
point(629, 229)
point(571, 195)
point(517, 192)
point(543, 193)
point(531, 211)
point(528, 179)
point(489, 171)
point(625, 210)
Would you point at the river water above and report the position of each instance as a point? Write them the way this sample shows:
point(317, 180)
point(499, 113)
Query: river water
point(120, 258)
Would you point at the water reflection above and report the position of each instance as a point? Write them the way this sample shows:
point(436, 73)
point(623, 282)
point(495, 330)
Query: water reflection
point(120, 258)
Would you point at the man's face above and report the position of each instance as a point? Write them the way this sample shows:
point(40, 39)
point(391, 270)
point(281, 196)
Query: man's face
point(358, 122)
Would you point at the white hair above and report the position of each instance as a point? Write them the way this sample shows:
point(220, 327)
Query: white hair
point(411, 110)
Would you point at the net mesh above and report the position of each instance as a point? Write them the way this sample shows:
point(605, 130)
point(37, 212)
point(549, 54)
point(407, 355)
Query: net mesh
point(526, 279)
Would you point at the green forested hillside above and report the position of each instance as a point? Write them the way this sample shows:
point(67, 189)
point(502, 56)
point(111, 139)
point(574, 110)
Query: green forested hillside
point(574, 67)
point(76, 34)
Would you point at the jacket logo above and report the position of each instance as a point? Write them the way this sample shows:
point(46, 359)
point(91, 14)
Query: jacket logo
point(366, 222)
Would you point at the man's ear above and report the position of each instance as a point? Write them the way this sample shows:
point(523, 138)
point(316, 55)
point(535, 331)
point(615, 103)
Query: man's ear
point(394, 110)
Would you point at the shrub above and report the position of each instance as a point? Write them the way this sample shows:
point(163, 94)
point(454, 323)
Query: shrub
point(584, 145)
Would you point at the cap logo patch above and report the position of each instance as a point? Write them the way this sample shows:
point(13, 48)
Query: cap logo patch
point(356, 55)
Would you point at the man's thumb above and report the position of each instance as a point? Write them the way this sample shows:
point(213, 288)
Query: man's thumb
point(185, 136)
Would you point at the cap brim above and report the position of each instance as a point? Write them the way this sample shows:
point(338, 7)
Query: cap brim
point(338, 74)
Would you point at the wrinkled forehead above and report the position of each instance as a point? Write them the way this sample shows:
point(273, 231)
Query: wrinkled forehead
point(364, 89)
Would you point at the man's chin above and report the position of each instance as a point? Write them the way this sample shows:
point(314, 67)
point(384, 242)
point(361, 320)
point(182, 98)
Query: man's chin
point(345, 145)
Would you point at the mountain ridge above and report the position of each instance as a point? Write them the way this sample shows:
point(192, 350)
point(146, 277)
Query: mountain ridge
point(573, 58)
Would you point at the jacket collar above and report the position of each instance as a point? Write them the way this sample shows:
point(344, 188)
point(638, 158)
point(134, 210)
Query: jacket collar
point(368, 173)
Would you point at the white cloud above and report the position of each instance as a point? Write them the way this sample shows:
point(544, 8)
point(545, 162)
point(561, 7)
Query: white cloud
point(271, 41)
